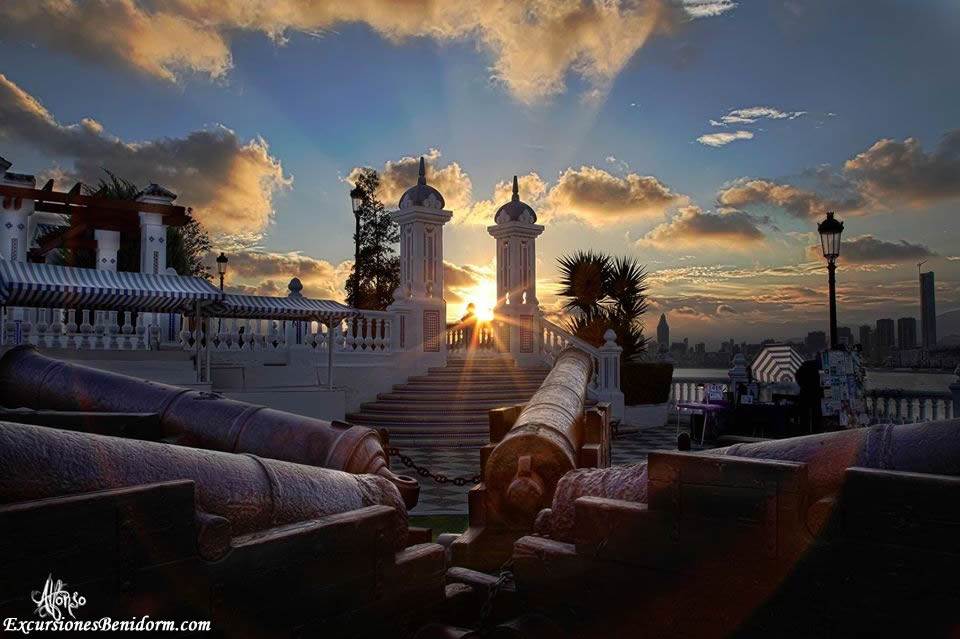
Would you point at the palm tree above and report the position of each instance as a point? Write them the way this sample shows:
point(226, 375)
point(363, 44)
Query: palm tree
point(601, 292)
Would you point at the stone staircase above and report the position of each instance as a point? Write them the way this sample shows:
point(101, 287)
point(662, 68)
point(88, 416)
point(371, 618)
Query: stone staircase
point(448, 406)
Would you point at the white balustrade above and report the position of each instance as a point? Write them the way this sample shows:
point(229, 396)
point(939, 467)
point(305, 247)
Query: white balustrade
point(97, 330)
point(904, 407)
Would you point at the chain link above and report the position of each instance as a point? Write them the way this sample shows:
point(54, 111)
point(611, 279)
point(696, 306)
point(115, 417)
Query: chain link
point(506, 577)
point(423, 471)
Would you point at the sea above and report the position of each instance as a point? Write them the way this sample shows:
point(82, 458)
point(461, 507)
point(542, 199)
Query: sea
point(876, 378)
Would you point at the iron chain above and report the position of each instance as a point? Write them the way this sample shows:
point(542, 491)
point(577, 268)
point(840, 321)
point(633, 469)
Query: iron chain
point(423, 471)
point(506, 576)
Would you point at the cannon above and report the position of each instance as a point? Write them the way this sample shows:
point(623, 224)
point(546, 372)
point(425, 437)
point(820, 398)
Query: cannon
point(197, 419)
point(251, 492)
point(531, 447)
point(259, 547)
point(848, 533)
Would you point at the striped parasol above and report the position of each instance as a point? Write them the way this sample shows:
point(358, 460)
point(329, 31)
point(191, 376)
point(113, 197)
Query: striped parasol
point(776, 363)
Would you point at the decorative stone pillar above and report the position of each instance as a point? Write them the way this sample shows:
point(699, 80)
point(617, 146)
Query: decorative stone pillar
point(738, 373)
point(608, 377)
point(153, 232)
point(108, 244)
point(418, 301)
point(517, 312)
point(955, 392)
point(14, 215)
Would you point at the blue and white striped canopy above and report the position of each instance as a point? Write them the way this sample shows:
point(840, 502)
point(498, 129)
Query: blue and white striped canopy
point(52, 286)
point(292, 307)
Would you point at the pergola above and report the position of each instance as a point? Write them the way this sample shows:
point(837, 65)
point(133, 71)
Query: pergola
point(292, 308)
point(86, 213)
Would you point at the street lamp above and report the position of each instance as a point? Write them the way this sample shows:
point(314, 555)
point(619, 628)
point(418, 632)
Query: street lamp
point(830, 230)
point(222, 268)
point(356, 200)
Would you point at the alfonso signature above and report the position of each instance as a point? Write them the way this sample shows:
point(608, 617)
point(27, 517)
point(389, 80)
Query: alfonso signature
point(55, 597)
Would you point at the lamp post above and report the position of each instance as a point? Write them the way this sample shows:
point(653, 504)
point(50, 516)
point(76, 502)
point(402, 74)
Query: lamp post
point(222, 267)
point(830, 230)
point(356, 201)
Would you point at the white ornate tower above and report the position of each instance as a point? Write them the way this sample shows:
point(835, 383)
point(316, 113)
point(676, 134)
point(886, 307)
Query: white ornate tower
point(517, 309)
point(419, 298)
point(153, 232)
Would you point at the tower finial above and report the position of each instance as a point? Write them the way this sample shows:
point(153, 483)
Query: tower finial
point(423, 172)
point(516, 189)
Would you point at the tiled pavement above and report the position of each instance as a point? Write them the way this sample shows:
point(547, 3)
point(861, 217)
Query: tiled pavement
point(447, 499)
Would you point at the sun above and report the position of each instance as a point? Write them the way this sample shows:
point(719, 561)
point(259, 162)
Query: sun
point(483, 295)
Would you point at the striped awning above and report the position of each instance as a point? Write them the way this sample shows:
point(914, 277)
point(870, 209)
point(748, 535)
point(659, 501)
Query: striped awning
point(776, 363)
point(292, 307)
point(52, 286)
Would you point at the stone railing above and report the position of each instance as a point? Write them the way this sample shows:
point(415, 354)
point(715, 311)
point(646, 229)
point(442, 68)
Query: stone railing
point(691, 389)
point(480, 336)
point(83, 330)
point(899, 406)
point(606, 359)
point(370, 333)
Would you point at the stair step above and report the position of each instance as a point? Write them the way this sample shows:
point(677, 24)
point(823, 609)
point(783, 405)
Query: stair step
point(419, 418)
point(499, 384)
point(448, 397)
point(445, 404)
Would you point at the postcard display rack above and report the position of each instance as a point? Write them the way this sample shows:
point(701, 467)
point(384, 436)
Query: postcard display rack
point(841, 378)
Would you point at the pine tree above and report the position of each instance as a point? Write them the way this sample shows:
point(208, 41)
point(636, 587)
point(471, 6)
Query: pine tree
point(373, 280)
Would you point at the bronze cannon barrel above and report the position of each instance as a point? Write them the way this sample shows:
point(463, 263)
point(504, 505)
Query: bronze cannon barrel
point(931, 447)
point(525, 466)
point(197, 419)
point(253, 493)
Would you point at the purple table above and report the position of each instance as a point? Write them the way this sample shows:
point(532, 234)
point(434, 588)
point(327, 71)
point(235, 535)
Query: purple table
point(708, 411)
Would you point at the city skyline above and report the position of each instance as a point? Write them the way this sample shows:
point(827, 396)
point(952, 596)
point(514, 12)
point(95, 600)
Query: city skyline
point(705, 137)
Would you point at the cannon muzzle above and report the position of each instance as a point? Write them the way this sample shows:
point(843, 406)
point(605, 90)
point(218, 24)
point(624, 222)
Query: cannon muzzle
point(525, 466)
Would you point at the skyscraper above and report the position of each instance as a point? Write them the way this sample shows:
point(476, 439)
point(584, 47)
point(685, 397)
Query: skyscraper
point(906, 333)
point(845, 336)
point(928, 310)
point(885, 337)
point(816, 341)
point(663, 334)
point(866, 338)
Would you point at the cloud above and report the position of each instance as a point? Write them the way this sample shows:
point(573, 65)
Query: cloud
point(229, 183)
point(726, 309)
point(797, 202)
point(532, 191)
point(534, 44)
point(866, 249)
point(722, 139)
point(598, 197)
point(268, 273)
point(460, 281)
point(750, 115)
point(397, 176)
point(120, 33)
point(692, 228)
point(708, 8)
point(904, 172)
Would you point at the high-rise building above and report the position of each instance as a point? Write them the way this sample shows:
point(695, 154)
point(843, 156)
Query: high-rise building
point(928, 310)
point(700, 348)
point(816, 341)
point(663, 333)
point(906, 333)
point(884, 338)
point(866, 338)
point(845, 336)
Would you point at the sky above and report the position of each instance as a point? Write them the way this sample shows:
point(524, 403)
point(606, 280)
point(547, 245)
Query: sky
point(704, 137)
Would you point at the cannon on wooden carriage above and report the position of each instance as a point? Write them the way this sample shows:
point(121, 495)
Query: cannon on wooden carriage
point(258, 546)
point(530, 449)
point(142, 408)
point(850, 533)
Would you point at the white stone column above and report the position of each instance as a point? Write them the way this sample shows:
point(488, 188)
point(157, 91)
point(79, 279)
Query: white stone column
point(418, 301)
point(15, 212)
point(14, 216)
point(108, 245)
point(518, 310)
point(153, 232)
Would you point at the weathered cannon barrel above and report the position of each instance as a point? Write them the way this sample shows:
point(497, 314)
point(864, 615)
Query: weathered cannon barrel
point(197, 419)
point(931, 447)
point(525, 466)
point(253, 493)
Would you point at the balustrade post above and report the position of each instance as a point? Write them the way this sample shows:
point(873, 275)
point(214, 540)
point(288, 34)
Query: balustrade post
point(955, 392)
point(608, 375)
